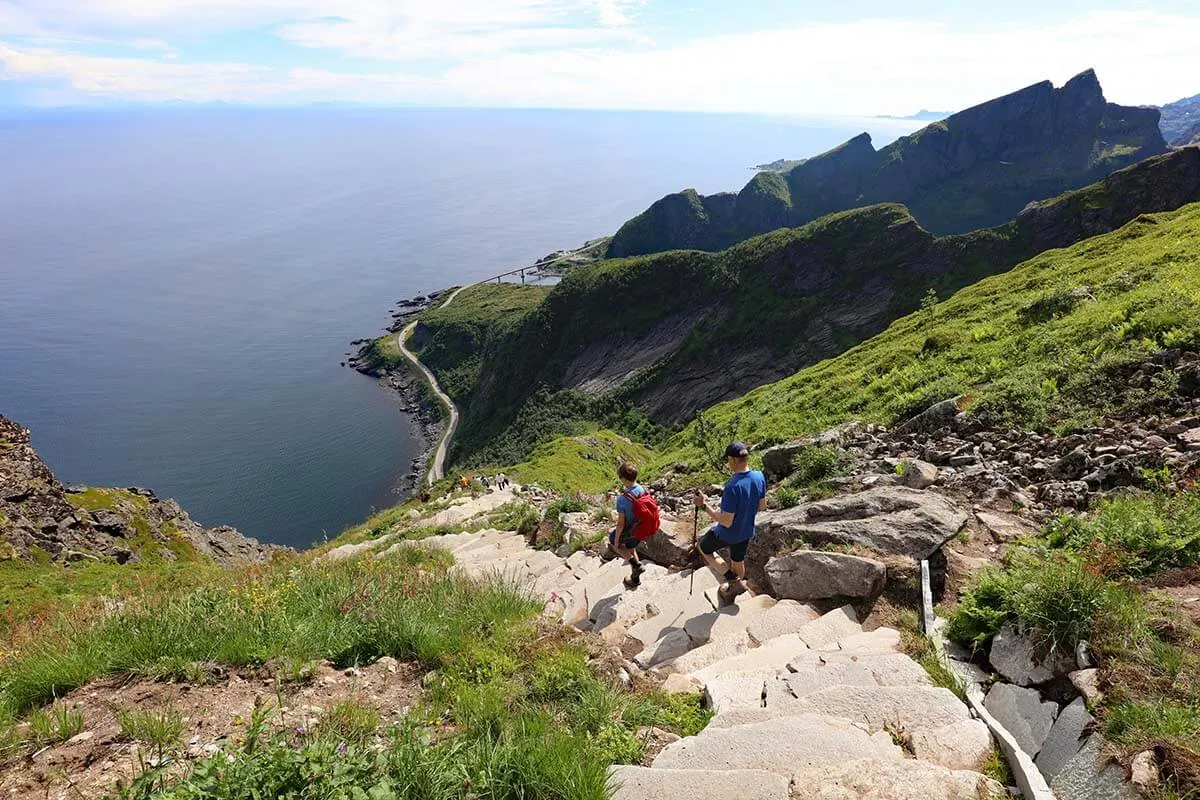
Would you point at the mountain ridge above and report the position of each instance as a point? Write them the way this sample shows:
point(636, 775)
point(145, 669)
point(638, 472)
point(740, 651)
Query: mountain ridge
point(790, 298)
point(975, 169)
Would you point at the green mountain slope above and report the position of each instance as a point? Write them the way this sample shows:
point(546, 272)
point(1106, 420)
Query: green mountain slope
point(975, 169)
point(1049, 342)
point(669, 334)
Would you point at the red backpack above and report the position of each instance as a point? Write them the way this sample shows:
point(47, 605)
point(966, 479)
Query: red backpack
point(645, 515)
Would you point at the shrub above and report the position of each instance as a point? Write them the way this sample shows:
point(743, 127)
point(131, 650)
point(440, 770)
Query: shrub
point(812, 465)
point(788, 497)
point(1052, 596)
point(1057, 302)
point(516, 516)
point(1135, 535)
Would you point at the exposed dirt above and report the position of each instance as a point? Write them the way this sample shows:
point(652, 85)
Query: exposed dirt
point(214, 716)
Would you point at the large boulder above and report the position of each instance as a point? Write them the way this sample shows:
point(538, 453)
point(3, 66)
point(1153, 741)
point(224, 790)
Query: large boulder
point(894, 520)
point(668, 548)
point(937, 416)
point(813, 575)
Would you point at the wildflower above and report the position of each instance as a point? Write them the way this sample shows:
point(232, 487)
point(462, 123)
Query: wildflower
point(301, 730)
point(341, 748)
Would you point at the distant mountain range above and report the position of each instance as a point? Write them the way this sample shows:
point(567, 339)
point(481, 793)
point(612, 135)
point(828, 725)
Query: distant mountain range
point(1181, 121)
point(922, 116)
point(975, 169)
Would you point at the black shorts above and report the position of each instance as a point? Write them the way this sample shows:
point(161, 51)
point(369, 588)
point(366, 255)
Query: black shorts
point(711, 543)
point(628, 540)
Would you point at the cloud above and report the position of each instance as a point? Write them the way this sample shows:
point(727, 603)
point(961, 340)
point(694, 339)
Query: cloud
point(542, 53)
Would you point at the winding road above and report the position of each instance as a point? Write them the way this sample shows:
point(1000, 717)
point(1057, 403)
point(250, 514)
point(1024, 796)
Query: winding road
point(437, 469)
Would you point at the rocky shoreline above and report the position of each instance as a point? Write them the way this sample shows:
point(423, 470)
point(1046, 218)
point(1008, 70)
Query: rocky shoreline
point(427, 423)
point(422, 410)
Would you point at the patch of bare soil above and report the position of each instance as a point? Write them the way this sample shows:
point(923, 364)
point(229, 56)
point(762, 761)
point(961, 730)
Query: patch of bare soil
point(1181, 589)
point(214, 716)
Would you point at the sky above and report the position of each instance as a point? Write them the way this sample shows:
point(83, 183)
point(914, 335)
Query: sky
point(852, 57)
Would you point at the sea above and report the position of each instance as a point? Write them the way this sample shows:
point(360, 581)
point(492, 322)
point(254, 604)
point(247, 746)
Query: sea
point(179, 287)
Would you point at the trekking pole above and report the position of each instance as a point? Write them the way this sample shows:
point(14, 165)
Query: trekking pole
point(695, 528)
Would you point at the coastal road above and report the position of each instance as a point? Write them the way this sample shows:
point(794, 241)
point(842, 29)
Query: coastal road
point(437, 469)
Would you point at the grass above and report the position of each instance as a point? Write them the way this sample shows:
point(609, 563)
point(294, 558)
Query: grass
point(58, 723)
point(349, 613)
point(1067, 369)
point(586, 463)
point(458, 336)
point(160, 728)
point(514, 707)
point(1082, 582)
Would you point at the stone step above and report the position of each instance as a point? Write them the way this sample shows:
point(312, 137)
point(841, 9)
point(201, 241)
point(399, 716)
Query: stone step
point(786, 616)
point(635, 605)
point(644, 783)
point(767, 661)
point(826, 630)
point(891, 779)
point(603, 582)
point(729, 620)
point(784, 746)
point(889, 669)
point(711, 653)
point(899, 709)
point(731, 692)
point(674, 606)
point(880, 641)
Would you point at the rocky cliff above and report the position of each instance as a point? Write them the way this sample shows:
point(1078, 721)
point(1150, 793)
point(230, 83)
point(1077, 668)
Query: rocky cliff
point(676, 332)
point(40, 517)
point(975, 169)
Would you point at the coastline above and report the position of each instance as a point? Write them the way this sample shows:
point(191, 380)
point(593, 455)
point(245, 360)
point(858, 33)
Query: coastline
point(398, 375)
point(424, 417)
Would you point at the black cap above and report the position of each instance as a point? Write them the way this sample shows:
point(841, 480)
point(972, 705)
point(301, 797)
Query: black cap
point(737, 450)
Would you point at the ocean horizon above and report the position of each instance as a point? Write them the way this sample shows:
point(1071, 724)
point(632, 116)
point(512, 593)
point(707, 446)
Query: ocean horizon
point(178, 287)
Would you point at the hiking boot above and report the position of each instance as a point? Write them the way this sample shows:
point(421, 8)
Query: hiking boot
point(632, 582)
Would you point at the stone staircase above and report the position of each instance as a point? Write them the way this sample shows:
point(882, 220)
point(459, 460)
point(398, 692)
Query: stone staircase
point(807, 705)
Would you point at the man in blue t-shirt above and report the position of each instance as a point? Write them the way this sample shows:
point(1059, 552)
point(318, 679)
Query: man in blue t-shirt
point(745, 494)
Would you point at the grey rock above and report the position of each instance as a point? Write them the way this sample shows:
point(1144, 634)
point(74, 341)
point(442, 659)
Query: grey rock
point(667, 548)
point(918, 474)
point(1014, 656)
point(939, 415)
point(892, 519)
point(1073, 466)
point(1087, 683)
point(1065, 739)
point(812, 575)
point(1023, 713)
point(1092, 776)
point(783, 745)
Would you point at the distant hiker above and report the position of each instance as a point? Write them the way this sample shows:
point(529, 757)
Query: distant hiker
point(464, 482)
point(424, 495)
point(743, 497)
point(484, 480)
point(637, 520)
point(502, 481)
